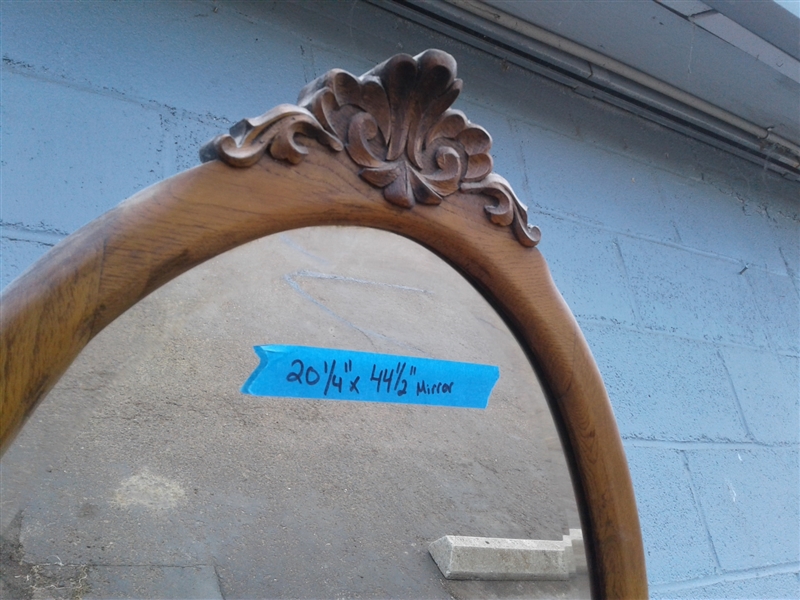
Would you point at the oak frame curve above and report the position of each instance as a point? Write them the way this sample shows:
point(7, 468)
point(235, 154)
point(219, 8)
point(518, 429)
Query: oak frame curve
point(89, 279)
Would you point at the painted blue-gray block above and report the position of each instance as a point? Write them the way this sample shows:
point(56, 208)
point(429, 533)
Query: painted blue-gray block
point(587, 269)
point(669, 517)
point(663, 154)
point(171, 53)
point(784, 212)
point(183, 139)
point(751, 505)
point(16, 256)
point(594, 185)
point(563, 140)
point(779, 305)
point(664, 387)
point(71, 155)
point(766, 386)
point(739, 229)
point(682, 292)
point(783, 586)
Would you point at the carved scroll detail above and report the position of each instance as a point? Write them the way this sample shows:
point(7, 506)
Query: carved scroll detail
point(274, 131)
point(396, 124)
point(509, 210)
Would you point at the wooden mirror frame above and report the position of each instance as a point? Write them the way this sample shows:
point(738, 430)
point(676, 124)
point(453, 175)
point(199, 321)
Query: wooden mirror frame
point(383, 150)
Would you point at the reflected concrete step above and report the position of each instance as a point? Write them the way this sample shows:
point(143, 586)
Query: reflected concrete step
point(464, 557)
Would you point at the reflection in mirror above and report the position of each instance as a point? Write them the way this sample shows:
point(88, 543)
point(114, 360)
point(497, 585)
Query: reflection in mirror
point(147, 470)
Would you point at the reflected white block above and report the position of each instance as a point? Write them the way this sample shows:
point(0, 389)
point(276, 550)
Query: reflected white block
point(463, 557)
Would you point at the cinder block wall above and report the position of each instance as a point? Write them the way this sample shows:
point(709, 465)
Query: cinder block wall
point(681, 262)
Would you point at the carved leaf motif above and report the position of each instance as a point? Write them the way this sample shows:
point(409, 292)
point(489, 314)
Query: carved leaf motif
point(396, 123)
point(275, 131)
point(509, 210)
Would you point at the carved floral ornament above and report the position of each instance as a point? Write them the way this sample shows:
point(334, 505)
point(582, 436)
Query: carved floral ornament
point(396, 123)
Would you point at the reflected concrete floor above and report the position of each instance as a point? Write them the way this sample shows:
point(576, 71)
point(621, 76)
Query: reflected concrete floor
point(146, 473)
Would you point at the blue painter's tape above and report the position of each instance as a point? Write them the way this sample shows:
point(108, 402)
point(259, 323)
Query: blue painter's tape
point(326, 374)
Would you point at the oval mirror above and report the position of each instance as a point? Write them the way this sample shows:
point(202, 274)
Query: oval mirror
point(147, 469)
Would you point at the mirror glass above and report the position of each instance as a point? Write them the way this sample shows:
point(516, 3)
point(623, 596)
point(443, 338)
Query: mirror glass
point(147, 473)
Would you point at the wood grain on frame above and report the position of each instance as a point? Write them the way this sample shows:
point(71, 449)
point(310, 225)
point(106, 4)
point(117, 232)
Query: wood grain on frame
point(383, 150)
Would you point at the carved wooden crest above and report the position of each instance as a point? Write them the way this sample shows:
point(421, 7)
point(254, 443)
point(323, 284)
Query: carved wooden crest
point(396, 124)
